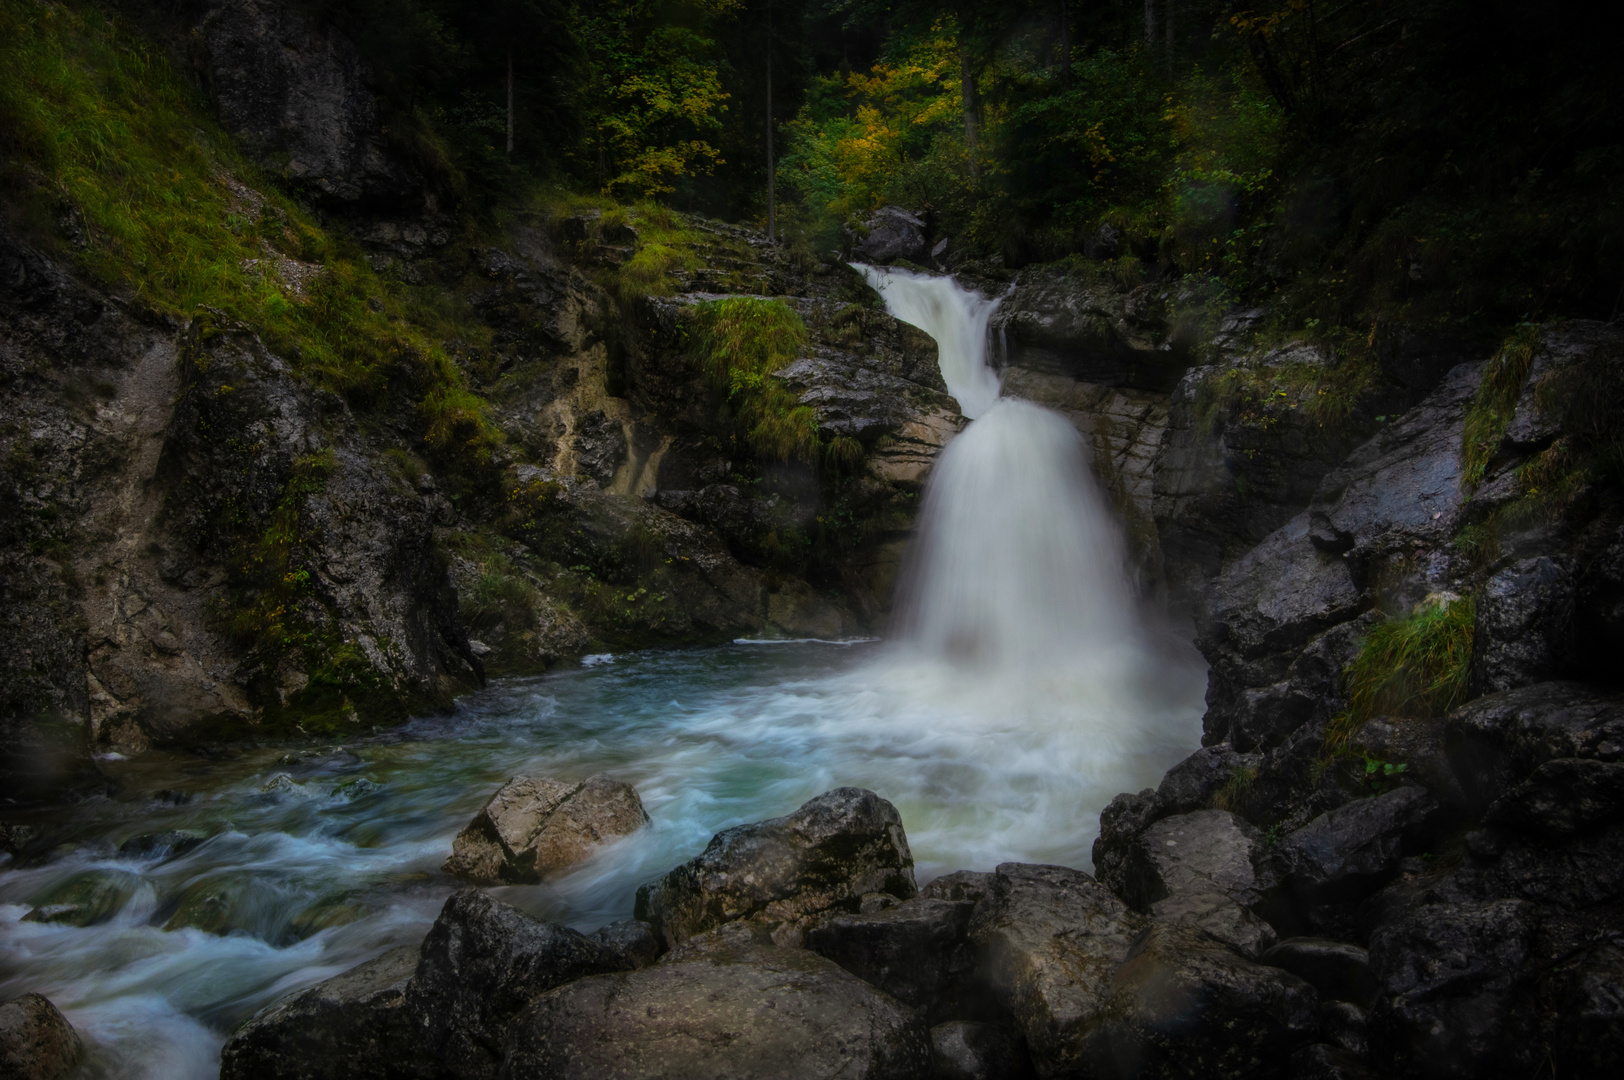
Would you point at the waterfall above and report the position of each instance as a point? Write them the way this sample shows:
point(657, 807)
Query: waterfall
point(956, 318)
point(1018, 563)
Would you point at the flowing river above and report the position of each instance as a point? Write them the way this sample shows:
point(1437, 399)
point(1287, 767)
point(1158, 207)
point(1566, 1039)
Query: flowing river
point(1021, 689)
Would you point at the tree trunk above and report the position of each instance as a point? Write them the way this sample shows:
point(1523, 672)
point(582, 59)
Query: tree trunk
point(1167, 17)
point(1065, 46)
point(972, 106)
point(1150, 25)
point(510, 101)
point(772, 203)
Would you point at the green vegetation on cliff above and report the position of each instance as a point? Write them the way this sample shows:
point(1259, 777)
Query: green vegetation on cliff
point(1416, 667)
point(104, 143)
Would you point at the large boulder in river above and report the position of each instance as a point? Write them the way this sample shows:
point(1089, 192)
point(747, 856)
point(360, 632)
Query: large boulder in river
point(751, 1012)
point(787, 872)
point(483, 962)
point(36, 1040)
point(534, 826)
point(1050, 939)
point(1187, 1005)
point(354, 1026)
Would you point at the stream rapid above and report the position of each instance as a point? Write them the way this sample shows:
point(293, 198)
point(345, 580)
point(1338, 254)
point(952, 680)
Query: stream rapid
point(1021, 689)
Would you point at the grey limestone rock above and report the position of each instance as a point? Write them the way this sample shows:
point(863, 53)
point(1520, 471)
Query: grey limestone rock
point(36, 1040)
point(1563, 796)
point(759, 1013)
point(631, 944)
point(971, 885)
point(1523, 632)
point(966, 1050)
point(918, 952)
point(1447, 979)
point(1123, 819)
point(1325, 1061)
point(1497, 740)
point(787, 871)
point(1207, 868)
point(1338, 970)
point(482, 963)
point(297, 93)
point(1353, 850)
point(1185, 1004)
point(534, 826)
point(354, 1026)
point(893, 233)
point(1192, 783)
point(1051, 939)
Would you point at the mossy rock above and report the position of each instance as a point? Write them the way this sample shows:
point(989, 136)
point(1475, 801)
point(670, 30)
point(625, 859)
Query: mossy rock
point(214, 905)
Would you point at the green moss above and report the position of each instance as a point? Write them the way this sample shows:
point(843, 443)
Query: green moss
point(1497, 392)
point(742, 341)
point(1417, 667)
point(1261, 395)
point(96, 125)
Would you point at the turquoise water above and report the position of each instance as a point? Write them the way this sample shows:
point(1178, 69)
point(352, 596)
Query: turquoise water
point(316, 860)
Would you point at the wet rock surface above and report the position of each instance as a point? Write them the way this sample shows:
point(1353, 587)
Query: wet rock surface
point(353, 1025)
point(1051, 939)
point(1186, 1004)
point(771, 1011)
point(535, 826)
point(482, 963)
point(964, 1050)
point(36, 1040)
point(787, 871)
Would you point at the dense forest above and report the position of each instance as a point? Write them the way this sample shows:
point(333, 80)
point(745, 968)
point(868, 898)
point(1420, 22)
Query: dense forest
point(1460, 160)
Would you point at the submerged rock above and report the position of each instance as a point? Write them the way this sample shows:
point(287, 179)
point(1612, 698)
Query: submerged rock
point(534, 826)
point(761, 1012)
point(85, 899)
point(36, 1040)
point(788, 871)
point(354, 1026)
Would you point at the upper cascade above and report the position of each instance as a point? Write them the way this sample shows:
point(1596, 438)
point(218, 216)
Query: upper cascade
point(956, 317)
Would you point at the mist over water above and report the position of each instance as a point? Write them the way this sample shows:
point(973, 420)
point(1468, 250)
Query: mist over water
point(1019, 689)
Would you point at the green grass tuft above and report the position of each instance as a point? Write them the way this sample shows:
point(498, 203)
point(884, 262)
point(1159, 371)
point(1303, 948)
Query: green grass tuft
point(1415, 668)
point(1496, 401)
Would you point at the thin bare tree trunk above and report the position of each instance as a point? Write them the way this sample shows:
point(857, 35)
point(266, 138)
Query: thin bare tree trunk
point(772, 202)
point(510, 101)
point(968, 98)
point(1065, 46)
point(1167, 17)
point(1150, 25)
